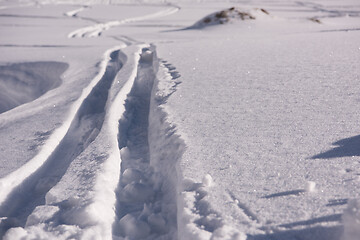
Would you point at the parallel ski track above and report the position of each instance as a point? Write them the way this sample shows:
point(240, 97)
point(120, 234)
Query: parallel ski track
point(25, 188)
point(97, 29)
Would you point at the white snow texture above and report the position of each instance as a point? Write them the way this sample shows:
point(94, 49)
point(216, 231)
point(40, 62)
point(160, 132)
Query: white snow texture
point(179, 119)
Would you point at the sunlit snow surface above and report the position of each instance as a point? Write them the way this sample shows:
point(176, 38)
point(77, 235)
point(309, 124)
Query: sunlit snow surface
point(155, 119)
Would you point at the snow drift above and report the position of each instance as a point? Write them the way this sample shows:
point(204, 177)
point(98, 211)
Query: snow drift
point(229, 15)
point(24, 82)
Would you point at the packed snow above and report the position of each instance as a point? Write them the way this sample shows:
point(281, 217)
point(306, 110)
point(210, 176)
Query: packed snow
point(153, 119)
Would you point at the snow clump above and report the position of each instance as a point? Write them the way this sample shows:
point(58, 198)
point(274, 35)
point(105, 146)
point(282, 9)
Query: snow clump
point(207, 180)
point(310, 186)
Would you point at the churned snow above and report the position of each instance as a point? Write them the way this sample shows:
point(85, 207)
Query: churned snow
point(124, 119)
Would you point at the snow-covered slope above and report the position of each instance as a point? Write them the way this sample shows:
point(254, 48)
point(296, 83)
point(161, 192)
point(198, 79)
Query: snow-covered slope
point(179, 120)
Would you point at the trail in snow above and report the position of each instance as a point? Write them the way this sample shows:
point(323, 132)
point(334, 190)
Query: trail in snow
point(15, 178)
point(16, 4)
point(19, 196)
point(85, 127)
point(146, 205)
point(97, 29)
point(133, 142)
point(74, 13)
point(319, 8)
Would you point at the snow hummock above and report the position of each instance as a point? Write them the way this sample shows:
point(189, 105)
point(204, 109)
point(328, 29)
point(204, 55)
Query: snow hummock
point(230, 15)
point(310, 186)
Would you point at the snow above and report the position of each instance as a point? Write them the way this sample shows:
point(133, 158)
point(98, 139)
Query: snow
point(207, 180)
point(178, 119)
point(351, 220)
point(25, 82)
point(310, 186)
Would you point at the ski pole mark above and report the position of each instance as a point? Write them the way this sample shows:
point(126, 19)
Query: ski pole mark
point(247, 212)
point(286, 193)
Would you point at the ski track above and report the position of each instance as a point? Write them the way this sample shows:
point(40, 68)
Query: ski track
point(97, 29)
point(25, 188)
point(146, 197)
point(318, 8)
point(105, 198)
point(146, 205)
point(73, 13)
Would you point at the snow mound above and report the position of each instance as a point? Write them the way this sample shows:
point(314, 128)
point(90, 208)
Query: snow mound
point(24, 82)
point(229, 15)
point(351, 220)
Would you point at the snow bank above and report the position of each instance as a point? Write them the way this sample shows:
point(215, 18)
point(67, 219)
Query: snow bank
point(230, 15)
point(24, 82)
point(351, 220)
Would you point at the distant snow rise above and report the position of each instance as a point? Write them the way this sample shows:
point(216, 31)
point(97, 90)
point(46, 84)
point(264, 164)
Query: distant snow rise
point(229, 15)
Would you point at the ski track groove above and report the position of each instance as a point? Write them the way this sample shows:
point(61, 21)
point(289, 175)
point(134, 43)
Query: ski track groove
point(146, 194)
point(244, 209)
point(27, 193)
point(134, 146)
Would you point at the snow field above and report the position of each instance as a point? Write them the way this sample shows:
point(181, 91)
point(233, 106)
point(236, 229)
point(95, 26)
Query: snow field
point(239, 150)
